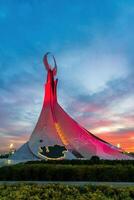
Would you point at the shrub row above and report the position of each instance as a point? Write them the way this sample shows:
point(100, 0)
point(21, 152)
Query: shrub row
point(62, 192)
point(94, 160)
point(51, 172)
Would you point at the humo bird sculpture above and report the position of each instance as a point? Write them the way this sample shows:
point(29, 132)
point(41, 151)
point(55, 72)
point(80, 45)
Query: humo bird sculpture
point(57, 136)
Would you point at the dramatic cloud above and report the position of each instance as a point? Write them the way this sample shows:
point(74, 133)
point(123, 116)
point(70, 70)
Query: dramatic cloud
point(93, 44)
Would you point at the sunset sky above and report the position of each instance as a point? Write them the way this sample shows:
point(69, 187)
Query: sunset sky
point(93, 42)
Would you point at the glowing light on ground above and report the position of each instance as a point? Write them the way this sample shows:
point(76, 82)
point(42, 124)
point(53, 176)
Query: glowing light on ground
point(11, 146)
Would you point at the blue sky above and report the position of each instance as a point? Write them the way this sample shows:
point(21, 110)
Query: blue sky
point(93, 42)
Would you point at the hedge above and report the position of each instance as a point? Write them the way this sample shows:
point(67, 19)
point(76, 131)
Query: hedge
point(68, 172)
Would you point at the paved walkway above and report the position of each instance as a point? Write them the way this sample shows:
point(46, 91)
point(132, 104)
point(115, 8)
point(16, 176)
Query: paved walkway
point(79, 183)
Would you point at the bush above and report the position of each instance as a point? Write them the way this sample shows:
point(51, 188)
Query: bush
point(83, 162)
point(62, 192)
point(95, 159)
point(68, 172)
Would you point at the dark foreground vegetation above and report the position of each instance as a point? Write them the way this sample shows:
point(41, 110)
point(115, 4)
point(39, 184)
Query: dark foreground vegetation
point(6, 155)
point(70, 171)
point(65, 192)
point(93, 160)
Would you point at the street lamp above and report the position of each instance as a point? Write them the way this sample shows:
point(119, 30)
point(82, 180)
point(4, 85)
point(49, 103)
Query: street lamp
point(11, 147)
